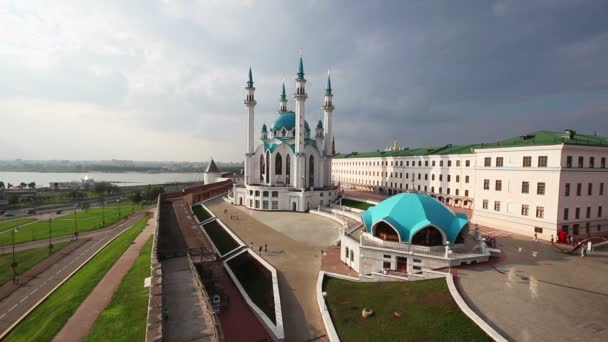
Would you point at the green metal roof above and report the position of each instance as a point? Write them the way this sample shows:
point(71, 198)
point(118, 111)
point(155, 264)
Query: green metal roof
point(283, 95)
point(538, 138)
point(320, 124)
point(410, 212)
point(301, 70)
point(287, 120)
point(273, 144)
point(264, 129)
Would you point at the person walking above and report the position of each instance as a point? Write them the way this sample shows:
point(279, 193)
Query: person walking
point(265, 248)
point(535, 237)
point(260, 250)
point(552, 239)
point(583, 250)
point(251, 244)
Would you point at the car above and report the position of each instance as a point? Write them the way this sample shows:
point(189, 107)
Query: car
point(7, 214)
point(77, 206)
point(59, 212)
point(2, 212)
point(31, 212)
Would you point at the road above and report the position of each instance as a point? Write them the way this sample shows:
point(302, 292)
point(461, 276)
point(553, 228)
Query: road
point(29, 295)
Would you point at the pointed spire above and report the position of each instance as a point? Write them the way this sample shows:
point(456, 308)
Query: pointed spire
point(283, 96)
point(320, 124)
point(250, 82)
point(328, 87)
point(333, 146)
point(264, 128)
point(301, 68)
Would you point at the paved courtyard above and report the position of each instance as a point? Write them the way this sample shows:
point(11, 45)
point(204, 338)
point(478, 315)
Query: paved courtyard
point(539, 294)
point(294, 244)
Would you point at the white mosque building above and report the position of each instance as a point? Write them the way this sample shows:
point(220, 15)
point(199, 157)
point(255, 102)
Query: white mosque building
point(291, 167)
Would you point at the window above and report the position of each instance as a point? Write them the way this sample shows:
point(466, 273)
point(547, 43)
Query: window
point(386, 256)
point(433, 163)
point(457, 192)
point(466, 179)
point(449, 178)
point(449, 163)
point(499, 161)
point(426, 176)
point(432, 177)
point(538, 230)
point(524, 209)
point(565, 213)
point(425, 188)
point(440, 191)
point(591, 162)
point(440, 178)
point(496, 205)
point(467, 163)
point(257, 204)
point(567, 190)
point(542, 161)
point(278, 164)
point(419, 176)
point(426, 163)
point(276, 194)
point(527, 161)
point(485, 204)
point(458, 163)
point(486, 184)
point(589, 189)
point(540, 188)
point(441, 163)
point(540, 212)
point(419, 163)
point(433, 189)
point(581, 161)
point(257, 192)
point(487, 162)
point(579, 189)
point(599, 211)
point(448, 191)
point(498, 185)
point(601, 189)
point(407, 163)
point(569, 161)
point(577, 213)
point(588, 212)
point(466, 193)
point(275, 205)
point(407, 175)
point(457, 179)
point(525, 187)
point(603, 162)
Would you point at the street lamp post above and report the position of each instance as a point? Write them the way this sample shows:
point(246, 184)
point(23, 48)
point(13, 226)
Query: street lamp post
point(14, 264)
point(76, 224)
point(50, 229)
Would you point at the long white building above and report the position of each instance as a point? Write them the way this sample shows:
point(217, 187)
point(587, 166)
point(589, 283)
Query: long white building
point(542, 182)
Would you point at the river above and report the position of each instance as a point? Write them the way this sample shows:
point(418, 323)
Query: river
point(43, 179)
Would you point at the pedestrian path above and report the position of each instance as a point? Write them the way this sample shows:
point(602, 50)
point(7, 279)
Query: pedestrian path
point(78, 326)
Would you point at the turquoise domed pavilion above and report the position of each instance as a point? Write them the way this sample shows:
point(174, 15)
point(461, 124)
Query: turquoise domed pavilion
point(417, 219)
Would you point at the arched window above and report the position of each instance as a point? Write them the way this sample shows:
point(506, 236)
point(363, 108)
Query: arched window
point(429, 236)
point(267, 173)
point(262, 168)
point(386, 232)
point(283, 132)
point(311, 171)
point(346, 258)
point(352, 255)
point(287, 169)
point(278, 165)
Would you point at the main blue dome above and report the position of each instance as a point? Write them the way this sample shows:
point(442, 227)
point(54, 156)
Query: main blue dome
point(287, 120)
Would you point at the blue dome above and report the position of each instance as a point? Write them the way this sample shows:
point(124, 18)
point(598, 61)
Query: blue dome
point(287, 120)
point(408, 213)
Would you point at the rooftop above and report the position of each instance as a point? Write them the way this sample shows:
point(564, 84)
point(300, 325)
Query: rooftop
point(538, 138)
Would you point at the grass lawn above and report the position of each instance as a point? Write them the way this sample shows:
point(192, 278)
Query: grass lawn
point(89, 219)
point(5, 225)
point(428, 312)
point(48, 318)
point(355, 204)
point(124, 319)
point(257, 282)
point(25, 260)
point(220, 237)
point(201, 213)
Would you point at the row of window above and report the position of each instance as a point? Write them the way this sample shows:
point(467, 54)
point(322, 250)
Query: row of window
point(525, 186)
point(467, 163)
point(579, 189)
point(540, 211)
point(527, 161)
point(581, 162)
point(577, 213)
point(400, 175)
point(274, 193)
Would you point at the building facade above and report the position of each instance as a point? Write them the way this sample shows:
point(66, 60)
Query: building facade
point(543, 182)
point(290, 169)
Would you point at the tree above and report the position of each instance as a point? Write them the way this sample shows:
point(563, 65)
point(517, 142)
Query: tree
point(9, 186)
point(13, 199)
point(32, 185)
point(76, 195)
point(2, 187)
point(86, 206)
point(100, 187)
point(136, 196)
point(22, 185)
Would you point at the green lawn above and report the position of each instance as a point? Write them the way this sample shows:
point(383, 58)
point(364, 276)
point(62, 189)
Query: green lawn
point(25, 260)
point(220, 237)
point(5, 225)
point(124, 319)
point(355, 204)
point(256, 280)
point(48, 318)
point(428, 312)
point(90, 219)
point(201, 213)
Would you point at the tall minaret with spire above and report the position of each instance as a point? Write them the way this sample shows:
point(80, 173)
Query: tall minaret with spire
point(283, 100)
point(300, 97)
point(328, 108)
point(250, 104)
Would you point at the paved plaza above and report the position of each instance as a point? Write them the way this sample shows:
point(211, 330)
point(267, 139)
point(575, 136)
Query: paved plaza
point(294, 244)
point(539, 294)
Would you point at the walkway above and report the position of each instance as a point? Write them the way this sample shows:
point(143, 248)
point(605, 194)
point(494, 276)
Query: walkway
point(297, 263)
point(78, 326)
point(237, 320)
point(26, 298)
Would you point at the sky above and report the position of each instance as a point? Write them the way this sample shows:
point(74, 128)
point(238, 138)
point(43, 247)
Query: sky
point(164, 80)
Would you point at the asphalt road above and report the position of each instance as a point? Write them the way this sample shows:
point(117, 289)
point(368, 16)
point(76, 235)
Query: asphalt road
point(30, 294)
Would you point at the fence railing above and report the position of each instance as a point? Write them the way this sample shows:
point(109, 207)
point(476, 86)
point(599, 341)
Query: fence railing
point(439, 251)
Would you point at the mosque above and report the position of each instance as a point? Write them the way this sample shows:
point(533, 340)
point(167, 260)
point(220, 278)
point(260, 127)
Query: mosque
point(290, 169)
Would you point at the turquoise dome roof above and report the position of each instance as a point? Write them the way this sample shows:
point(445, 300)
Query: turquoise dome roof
point(410, 212)
point(287, 120)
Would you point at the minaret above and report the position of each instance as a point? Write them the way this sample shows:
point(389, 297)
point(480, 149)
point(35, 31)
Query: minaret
point(328, 108)
point(250, 104)
point(264, 133)
point(283, 100)
point(300, 97)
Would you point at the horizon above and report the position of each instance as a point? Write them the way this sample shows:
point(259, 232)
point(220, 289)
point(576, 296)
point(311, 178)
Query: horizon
point(104, 81)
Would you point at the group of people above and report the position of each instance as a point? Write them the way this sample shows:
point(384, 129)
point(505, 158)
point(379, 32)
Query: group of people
point(232, 216)
point(264, 248)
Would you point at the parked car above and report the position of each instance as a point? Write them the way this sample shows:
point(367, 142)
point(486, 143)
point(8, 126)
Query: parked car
point(59, 212)
point(77, 206)
point(7, 214)
point(31, 212)
point(2, 212)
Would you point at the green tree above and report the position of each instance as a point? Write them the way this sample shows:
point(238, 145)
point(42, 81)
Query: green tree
point(136, 196)
point(100, 187)
point(22, 185)
point(13, 199)
point(32, 185)
point(86, 206)
point(2, 187)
